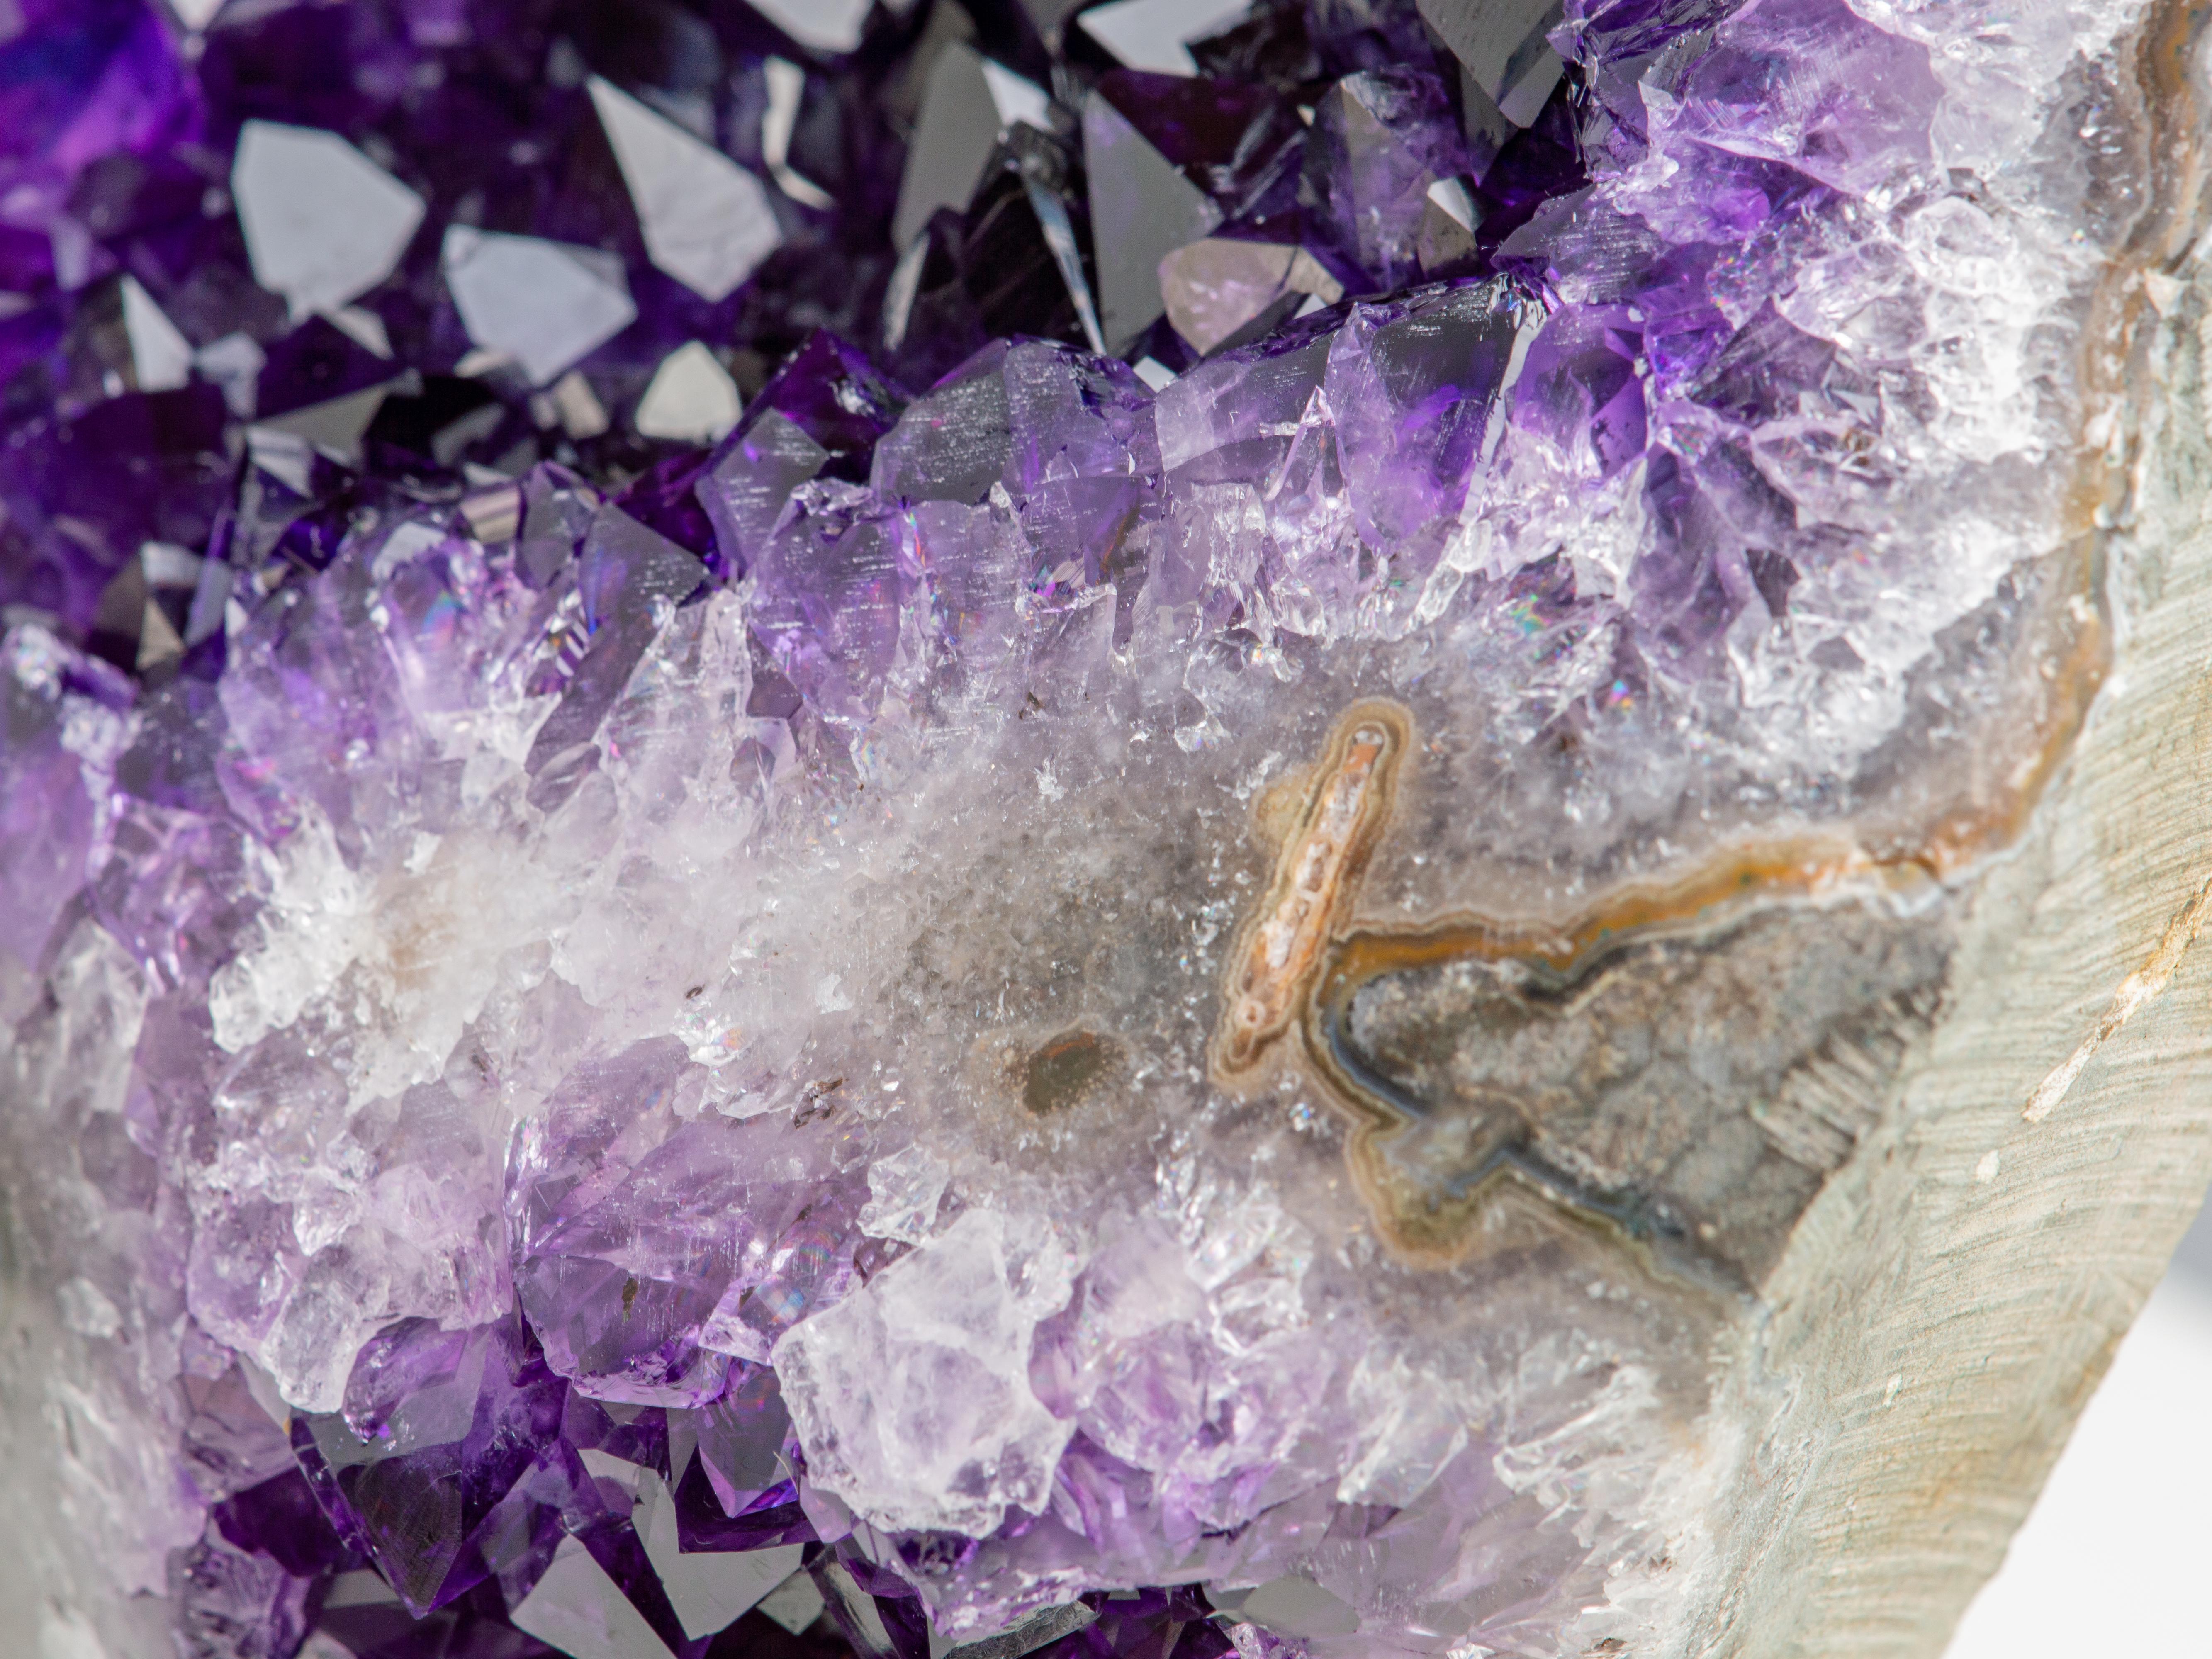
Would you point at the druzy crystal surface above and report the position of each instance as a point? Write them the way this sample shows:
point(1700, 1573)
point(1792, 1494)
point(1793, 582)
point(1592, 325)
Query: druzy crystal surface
point(1069, 832)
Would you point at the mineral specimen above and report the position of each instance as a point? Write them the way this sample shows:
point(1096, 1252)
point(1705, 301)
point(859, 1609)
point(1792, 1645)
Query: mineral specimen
point(1325, 829)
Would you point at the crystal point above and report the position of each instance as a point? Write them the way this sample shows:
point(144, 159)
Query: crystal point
point(1217, 290)
point(160, 356)
point(1142, 208)
point(707, 222)
point(690, 398)
point(1155, 35)
point(956, 131)
point(1503, 45)
point(543, 304)
point(823, 25)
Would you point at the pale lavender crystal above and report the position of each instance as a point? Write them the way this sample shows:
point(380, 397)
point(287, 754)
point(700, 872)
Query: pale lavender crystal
point(47, 811)
point(626, 577)
point(1814, 84)
point(648, 1251)
point(830, 591)
point(238, 1601)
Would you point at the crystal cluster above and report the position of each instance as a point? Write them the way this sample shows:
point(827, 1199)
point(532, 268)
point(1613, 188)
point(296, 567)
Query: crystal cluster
point(670, 667)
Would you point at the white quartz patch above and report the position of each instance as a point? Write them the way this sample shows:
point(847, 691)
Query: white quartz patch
point(707, 222)
point(544, 304)
point(323, 223)
point(904, 1190)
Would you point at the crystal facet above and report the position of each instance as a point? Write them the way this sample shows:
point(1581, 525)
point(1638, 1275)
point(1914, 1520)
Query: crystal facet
point(707, 222)
point(543, 304)
point(1142, 209)
point(323, 223)
point(690, 398)
point(1155, 34)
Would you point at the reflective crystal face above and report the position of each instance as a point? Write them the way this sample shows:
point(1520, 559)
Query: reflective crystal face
point(690, 398)
point(1059, 832)
point(323, 223)
point(706, 221)
point(542, 304)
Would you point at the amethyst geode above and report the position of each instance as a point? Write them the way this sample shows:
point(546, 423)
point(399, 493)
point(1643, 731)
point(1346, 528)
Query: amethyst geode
point(896, 829)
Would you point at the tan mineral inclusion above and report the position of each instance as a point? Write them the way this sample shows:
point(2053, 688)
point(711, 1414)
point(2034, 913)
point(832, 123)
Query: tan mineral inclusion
point(1272, 969)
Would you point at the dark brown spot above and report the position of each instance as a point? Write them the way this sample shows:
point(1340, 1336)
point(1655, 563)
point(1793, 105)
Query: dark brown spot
point(1063, 1070)
point(629, 1295)
point(695, 991)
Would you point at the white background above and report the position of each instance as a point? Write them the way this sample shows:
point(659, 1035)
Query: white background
point(2115, 1562)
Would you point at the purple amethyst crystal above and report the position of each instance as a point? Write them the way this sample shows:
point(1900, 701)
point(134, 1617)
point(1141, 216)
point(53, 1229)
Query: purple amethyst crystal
point(644, 1263)
point(447, 1466)
point(978, 1016)
point(1383, 141)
